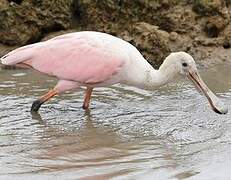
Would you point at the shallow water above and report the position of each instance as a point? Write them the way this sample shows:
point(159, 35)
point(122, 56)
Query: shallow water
point(169, 133)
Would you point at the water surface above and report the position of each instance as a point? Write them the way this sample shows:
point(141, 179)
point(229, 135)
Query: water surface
point(169, 133)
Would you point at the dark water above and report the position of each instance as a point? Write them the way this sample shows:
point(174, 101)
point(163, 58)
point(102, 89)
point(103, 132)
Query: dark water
point(169, 133)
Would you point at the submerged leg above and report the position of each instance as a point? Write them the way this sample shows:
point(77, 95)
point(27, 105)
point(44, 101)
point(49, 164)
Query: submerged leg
point(37, 104)
point(87, 98)
point(61, 87)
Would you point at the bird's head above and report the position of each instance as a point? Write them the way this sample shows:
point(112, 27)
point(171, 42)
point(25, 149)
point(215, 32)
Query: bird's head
point(182, 63)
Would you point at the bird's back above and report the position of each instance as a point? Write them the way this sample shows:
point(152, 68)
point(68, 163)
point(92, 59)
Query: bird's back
point(87, 57)
point(92, 38)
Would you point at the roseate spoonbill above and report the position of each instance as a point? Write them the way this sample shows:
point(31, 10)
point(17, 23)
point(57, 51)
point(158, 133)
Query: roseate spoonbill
point(95, 59)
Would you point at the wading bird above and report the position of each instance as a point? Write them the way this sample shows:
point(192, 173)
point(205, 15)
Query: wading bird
point(94, 59)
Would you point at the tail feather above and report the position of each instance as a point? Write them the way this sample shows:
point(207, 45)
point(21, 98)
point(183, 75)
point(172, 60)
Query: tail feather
point(18, 55)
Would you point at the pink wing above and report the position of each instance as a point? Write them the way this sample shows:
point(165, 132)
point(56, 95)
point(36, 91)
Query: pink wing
point(70, 57)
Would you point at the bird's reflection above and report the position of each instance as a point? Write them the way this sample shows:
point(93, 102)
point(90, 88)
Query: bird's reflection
point(96, 147)
point(86, 151)
point(87, 146)
point(36, 116)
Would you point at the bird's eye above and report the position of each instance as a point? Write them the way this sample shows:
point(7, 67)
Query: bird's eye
point(184, 64)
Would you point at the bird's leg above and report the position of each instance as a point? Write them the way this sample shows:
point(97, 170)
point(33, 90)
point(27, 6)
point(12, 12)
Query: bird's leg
point(87, 98)
point(62, 86)
point(37, 104)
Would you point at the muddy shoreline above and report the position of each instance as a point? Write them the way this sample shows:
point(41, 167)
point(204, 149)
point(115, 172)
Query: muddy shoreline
point(156, 28)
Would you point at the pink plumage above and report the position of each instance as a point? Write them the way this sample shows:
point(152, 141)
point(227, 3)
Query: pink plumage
point(72, 57)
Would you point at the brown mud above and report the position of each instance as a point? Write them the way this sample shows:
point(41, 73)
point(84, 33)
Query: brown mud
point(156, 27)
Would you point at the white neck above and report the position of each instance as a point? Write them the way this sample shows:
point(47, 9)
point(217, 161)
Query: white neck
point(142, 75)
point(152, 78)
point(158, 78)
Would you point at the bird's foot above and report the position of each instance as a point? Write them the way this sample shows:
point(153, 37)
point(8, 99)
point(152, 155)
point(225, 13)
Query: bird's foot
point(36, 105)
point(85, 107)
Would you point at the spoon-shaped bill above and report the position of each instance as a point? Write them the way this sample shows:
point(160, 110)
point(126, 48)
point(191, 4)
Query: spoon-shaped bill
point(216, 104)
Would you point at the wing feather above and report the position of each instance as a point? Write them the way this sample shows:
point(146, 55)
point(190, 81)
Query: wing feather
point(76, 58)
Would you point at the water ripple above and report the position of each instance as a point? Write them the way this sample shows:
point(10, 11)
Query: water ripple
point(170, 132)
